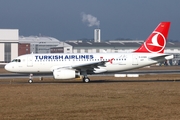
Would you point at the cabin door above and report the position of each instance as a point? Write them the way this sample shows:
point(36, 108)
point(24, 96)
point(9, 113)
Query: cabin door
point(30, 61)
point(134, 60)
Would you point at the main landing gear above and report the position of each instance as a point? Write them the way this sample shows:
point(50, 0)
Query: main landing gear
point(30, 78)
point(86, 79)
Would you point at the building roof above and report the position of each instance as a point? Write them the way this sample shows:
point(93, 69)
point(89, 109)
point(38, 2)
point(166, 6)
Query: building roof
point(9, 35)
point(117, 44)
point(37, 39)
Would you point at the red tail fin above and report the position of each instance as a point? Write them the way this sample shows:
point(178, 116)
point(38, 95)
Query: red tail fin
point(156, 42)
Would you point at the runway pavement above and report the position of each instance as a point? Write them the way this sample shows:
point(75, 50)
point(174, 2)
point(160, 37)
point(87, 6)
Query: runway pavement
point(140, 72)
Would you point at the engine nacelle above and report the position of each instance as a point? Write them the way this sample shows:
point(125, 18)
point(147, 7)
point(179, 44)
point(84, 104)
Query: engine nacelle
point(66, 74)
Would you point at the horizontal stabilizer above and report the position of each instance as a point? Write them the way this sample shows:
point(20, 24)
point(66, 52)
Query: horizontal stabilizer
point(162, 57)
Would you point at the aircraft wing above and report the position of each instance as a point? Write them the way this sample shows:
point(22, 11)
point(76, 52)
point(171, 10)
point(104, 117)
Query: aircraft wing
point(90, 65)
point(84, 66)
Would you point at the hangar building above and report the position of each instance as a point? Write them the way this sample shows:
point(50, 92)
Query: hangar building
point(36, 44)
point(9, 39)
point(78, 46)
point(112, 46)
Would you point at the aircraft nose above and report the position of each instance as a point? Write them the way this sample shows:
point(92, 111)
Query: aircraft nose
point(7, 67)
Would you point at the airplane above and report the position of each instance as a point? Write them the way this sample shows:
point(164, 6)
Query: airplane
point(74, 65)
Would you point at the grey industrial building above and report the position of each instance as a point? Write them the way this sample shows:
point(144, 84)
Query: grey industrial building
point(39, 44)
point(78, 46)
point(112, 46)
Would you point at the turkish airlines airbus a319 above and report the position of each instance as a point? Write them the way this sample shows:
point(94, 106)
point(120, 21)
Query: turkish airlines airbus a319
point(68, 66)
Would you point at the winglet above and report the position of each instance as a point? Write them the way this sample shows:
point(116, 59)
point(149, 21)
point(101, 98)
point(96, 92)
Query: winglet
point(156, 42)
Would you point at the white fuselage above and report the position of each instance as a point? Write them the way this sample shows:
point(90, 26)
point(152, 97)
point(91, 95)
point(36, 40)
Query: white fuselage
point(46, 63)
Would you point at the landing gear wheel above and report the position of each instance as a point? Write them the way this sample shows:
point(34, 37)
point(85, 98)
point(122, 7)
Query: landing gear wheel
point(86, 79)
point(30, 80)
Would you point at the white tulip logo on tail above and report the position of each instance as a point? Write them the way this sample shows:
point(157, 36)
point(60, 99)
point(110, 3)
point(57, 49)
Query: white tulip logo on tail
point(156, 44)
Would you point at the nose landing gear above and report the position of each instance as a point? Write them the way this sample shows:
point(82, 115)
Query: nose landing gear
point(30, 78)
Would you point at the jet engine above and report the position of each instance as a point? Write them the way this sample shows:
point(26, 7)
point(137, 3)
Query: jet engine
point(66, 74)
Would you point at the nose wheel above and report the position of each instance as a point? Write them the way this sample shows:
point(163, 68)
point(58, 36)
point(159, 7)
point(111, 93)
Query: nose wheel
point(30, 78)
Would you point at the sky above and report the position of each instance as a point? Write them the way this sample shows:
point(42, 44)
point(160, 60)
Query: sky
point(77, 19)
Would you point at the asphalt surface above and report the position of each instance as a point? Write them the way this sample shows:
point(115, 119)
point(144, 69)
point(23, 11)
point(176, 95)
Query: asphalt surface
point(17, 75)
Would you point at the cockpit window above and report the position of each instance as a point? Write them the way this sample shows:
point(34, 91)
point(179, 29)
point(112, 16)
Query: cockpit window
point(16, 60)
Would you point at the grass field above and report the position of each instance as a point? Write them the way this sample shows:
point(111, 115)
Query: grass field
point(149, 97)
